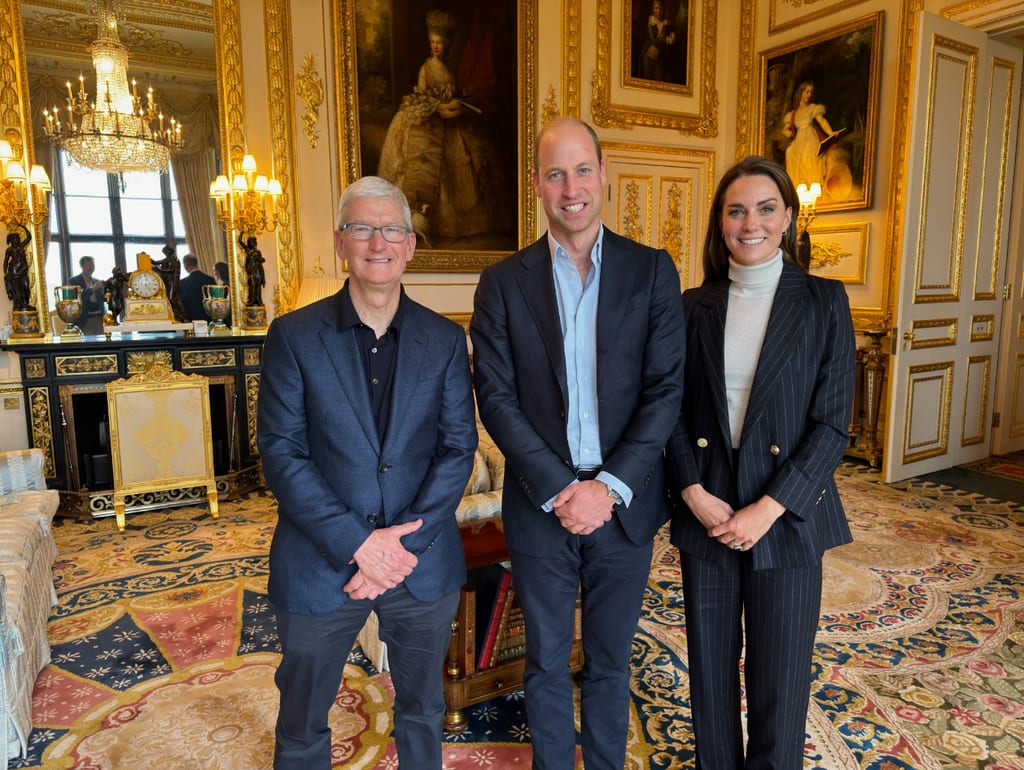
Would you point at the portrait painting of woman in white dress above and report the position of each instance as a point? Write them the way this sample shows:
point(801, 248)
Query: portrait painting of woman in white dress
point(447, 145)
point(820, 112)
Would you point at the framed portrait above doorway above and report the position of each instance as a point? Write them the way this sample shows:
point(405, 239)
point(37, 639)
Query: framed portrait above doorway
point(657, 40)
point(819, 110)
point(436, 96)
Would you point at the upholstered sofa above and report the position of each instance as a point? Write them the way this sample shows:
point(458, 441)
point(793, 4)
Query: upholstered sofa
point(482, 498)
point(27, 551)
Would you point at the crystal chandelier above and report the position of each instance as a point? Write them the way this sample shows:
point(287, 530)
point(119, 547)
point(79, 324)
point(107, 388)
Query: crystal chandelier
point(117, 133)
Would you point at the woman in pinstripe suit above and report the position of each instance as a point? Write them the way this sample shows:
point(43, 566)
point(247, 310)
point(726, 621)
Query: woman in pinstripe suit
point(769, 388)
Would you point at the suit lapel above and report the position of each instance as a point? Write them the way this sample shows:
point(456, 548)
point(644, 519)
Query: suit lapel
point(711, 328)
point(538, 289)
point(412, 347)
point(781, 337)
point(617, 286)
point(343, 352)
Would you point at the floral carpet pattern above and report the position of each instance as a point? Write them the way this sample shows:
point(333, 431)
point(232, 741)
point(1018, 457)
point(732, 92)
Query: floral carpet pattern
point(1009, 466)
point(164, 648)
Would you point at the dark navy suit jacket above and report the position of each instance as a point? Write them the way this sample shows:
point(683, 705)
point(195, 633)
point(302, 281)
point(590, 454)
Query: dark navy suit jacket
point(796, 426)
point(192, 294)
point(520, 376)
point(335, 478)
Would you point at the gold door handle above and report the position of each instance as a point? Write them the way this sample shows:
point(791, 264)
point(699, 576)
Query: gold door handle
point(908, 337)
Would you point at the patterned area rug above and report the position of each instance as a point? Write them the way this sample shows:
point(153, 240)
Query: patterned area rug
point(1009, 466)
point(164, 648)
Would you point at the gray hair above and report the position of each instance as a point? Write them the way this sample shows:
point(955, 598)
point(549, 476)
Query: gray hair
point(372, 187)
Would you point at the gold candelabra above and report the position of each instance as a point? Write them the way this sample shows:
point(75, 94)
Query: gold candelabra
point(247, 205)
point(242, 202)
point(22, 196)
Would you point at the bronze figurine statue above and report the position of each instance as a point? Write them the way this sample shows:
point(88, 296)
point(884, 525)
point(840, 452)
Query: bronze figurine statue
point(255, 278)
point(169, 270)
point(16, 270)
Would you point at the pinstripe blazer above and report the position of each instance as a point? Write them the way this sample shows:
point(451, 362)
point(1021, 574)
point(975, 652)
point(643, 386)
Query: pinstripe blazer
point(335, 478)
point(796, 426)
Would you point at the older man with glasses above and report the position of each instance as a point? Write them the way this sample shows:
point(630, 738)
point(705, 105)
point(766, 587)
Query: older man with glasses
point(367, 435)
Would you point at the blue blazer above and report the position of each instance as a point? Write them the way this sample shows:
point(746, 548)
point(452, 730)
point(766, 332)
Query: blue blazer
point(519, 371)
point(795, 430)
point(335, 479)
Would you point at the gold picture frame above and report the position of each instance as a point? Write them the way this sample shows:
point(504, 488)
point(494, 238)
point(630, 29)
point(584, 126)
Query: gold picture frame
point(160, 435)
point(818, 110)
point(621, 101)
point(380, 46)
point(657, 45)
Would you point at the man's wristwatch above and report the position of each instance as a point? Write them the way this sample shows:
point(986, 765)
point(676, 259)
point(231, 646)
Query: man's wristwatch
point(614, 496)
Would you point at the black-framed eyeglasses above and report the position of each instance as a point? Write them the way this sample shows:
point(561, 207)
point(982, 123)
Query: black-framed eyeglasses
point(358, 231)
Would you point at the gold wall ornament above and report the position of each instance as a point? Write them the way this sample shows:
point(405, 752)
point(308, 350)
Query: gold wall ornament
point(142, 361)
point(549, 110)
point(42, 434)
point(702, 123)
point(633, 228)
point(672, 230)
point(277, 14)
point(309, 87)
point(227, 38)
point(571, 29)
point(828, 254)
point(746, 100)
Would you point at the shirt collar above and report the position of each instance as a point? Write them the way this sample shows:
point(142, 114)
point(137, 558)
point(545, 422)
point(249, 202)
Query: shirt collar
point(556, 249)
point(349, 318)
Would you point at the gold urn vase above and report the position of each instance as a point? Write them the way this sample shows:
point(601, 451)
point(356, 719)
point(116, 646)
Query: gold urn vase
point(69, 309)
point(217, 305)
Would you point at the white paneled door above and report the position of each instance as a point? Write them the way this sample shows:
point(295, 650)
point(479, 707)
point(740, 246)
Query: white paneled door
point(959, 183)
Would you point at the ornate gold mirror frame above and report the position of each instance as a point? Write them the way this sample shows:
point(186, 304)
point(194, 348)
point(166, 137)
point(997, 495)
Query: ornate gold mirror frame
point(15, 123)
point(15, 119)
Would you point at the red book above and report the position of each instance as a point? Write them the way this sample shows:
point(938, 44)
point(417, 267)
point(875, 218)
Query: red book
point(494, 624)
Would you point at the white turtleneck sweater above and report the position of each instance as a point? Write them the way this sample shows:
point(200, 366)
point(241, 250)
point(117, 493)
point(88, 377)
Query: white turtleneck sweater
point(751, 293)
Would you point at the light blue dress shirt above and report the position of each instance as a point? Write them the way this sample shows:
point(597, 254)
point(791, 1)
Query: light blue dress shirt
point(577, 312)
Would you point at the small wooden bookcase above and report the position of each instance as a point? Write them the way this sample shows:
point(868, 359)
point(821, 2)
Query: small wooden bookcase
point(484, 544)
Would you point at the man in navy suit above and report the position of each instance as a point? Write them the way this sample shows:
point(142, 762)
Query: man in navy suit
point(578, 352)
point(367, 434)
point(192, 288)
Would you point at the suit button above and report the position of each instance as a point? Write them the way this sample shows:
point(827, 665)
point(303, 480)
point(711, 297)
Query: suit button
point(383, 468)
point(774, 450)
point(702, 442)
point(372, 518)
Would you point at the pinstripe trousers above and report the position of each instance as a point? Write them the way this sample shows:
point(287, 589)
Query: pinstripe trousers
point(770, 617)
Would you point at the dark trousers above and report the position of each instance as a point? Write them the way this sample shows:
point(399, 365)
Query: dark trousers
point(611, 572)
point(779, 609)
point(314, 649)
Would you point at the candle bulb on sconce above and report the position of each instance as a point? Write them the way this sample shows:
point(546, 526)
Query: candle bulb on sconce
point(808, 196)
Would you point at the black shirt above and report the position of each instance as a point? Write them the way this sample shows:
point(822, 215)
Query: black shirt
point(379, 355)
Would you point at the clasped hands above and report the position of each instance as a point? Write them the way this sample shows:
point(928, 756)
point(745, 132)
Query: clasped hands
point(738, 530)
point(583, 507)
point(382, 561)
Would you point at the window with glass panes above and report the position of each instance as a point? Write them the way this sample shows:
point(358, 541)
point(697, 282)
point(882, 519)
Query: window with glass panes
point(110, 218)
